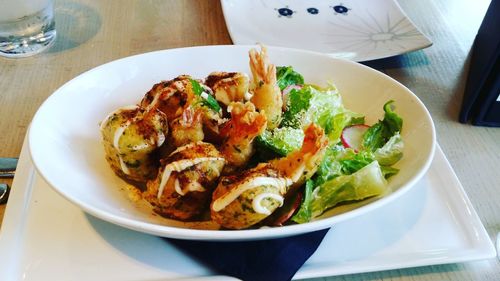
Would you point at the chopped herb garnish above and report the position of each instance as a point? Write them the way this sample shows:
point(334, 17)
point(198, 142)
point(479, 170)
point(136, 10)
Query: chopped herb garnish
point(207, 100)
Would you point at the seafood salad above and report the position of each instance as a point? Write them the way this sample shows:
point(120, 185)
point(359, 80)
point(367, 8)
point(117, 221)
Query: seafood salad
point(246, 151)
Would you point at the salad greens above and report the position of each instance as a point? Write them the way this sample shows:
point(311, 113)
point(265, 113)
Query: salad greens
point(281, 140)
point(391, 152)
point(286, 76)
point(322, 106)
point(381, 132)
point(366, 182)
point(344, 174)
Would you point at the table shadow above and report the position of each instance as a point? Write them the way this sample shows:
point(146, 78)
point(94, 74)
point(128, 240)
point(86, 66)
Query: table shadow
point(147, 249)
point(408, 60)
point(81, 23)
point(458, 91)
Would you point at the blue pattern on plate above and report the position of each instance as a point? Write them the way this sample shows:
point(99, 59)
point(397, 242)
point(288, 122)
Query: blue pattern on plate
point(313, 11)
point(359, 30)
point(285, 12)
point(340, 9)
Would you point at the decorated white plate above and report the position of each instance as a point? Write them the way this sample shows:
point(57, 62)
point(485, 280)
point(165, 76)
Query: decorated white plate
point(354, 29)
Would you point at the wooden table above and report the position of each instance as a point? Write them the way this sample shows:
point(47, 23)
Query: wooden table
point(91, 33)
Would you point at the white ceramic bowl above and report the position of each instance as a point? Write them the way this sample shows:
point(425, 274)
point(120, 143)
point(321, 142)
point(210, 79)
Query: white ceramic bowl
point(64, 137)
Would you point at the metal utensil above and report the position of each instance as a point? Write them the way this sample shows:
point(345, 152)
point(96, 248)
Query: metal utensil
point(4, 193)
point(8, 167)
point(497, 244)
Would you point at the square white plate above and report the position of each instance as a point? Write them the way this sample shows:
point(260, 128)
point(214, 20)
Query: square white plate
point(358, 30)
point(42, 235)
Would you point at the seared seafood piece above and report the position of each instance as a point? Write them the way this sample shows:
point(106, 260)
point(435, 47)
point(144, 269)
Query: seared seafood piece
point(176, 96)
point(131, 135)
point(170, 97)
point(266, 92)
point(240, 201)
point(187, 128)
point(239, 133)
point(229, 86)
point(185, 181)
point(211, 121)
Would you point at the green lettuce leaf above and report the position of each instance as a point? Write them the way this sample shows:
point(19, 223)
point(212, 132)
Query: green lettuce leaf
point(337, 169)
point(339, 161)
point(367, 182)
point(389, 171)
point(322, 106)
point(304, 213)
point(280, 140)
point(286, 76)
point(380, 133)
point(391, 152)
point(298, 101)
point(329, 167)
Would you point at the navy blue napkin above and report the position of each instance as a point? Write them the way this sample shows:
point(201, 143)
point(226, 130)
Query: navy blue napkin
point(274, 260)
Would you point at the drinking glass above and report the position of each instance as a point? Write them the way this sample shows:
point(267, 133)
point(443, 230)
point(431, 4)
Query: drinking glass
point(27, 27)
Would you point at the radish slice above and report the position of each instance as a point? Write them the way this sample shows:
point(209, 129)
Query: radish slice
point(352, 136)
point(284, 213)
point(291, 87)
point(285, 216)
point(286, 91)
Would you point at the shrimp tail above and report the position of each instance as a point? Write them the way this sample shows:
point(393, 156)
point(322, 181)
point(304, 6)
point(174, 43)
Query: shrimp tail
point(266, 93)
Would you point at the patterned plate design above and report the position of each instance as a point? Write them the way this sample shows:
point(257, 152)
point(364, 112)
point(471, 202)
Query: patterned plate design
point(354, 29)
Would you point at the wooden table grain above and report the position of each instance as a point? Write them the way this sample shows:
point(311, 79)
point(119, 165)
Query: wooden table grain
point(91, 33)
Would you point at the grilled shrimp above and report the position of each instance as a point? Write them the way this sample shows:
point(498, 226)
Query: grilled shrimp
point(266, 93)
point(229, 86)
point(301, 165)
point(131, 136)
point(239, 133)
point(185, 181)
point(240, 201)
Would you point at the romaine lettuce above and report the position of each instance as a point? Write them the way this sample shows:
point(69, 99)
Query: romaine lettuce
point(286, 76)
point(338, 167)
point(366, 182)
point(391, 152)
point(322, 106)
point(304, 213)
point(281, 140)
point(380, 133)
point(297, 103)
